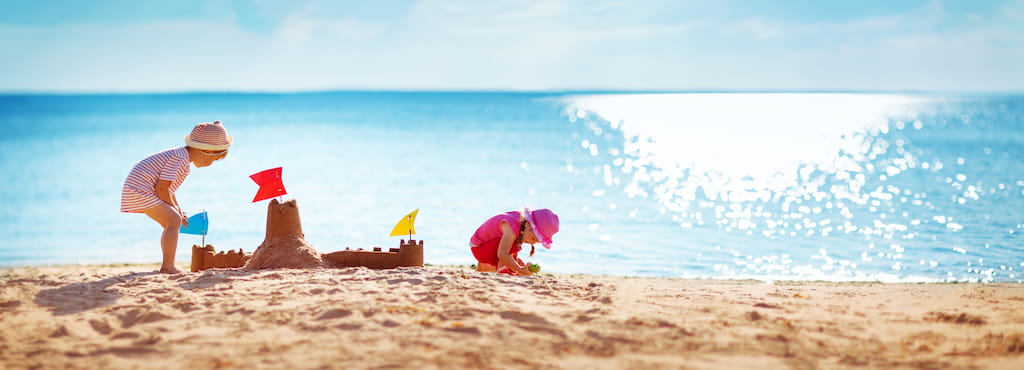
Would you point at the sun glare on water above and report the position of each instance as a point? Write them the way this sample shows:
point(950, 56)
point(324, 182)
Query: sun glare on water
point(773, 165)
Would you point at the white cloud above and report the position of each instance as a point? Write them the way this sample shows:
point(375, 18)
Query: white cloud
point(302, 29)
point(758, 28)
point(573, 20)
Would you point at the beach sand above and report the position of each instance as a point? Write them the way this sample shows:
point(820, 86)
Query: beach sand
point(94, 317)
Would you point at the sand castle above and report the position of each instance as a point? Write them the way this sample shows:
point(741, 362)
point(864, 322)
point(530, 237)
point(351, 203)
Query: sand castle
point(285, 246)
point(407, 254)
point(204, 258)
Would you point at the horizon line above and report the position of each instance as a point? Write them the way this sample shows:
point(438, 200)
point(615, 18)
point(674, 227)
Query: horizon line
point(506, 91)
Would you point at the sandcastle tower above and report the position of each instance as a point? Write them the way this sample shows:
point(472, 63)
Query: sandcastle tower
point(285, 245)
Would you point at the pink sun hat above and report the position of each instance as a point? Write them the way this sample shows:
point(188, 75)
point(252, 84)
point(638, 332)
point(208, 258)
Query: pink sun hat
point(209, 136)
point(544, 223)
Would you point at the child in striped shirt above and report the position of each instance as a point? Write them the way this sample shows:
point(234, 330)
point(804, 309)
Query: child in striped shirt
point(151, 184)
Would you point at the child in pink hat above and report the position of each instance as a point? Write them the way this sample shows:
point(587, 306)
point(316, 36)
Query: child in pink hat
point(496, 243)
point(151, 184)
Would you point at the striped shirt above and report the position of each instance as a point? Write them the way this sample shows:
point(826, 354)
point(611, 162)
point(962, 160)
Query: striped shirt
point(139, 192)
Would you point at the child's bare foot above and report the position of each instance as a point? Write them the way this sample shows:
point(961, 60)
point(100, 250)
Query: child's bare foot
point(170, 270)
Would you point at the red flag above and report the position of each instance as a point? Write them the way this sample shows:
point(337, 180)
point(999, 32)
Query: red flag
point(270, 184)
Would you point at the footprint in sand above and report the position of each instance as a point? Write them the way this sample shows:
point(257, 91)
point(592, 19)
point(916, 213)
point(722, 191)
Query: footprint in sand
point(349, 326)
point(273, 276)
point(101, 326)
point(587, 315)
point(205, 281)
point(464, 329)
point(139, 316)
point(158, 291)
point(334, 314)
point(531, 322)
point(68, 330)
point(961, 318)
point(126, 335)
point(403, 280)
point(185, 307)
point(134, 351)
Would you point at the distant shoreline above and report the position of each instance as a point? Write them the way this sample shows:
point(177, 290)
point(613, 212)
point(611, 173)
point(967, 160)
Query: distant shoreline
point(776, 280)
point(552, 92)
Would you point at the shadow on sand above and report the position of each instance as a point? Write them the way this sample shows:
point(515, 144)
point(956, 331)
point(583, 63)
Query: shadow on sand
point(80, 297)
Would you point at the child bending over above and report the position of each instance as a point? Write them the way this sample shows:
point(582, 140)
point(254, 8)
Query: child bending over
point(151, 184)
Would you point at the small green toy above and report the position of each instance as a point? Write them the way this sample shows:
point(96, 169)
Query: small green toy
point(533, 267)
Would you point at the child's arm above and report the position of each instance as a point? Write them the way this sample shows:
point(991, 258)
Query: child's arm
point(184, 217)
point(163, 191)
point(504, 246)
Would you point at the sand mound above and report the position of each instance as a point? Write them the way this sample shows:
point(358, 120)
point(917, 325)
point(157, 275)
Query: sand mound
point(285, 245)
point(284, 252)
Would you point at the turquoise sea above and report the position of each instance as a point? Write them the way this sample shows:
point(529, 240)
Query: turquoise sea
point(833, 186)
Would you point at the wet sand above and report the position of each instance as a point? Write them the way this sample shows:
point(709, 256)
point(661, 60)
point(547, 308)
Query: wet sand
point(128, 316)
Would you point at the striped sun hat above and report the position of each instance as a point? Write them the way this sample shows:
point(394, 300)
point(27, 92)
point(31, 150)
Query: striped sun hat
point(209, 136)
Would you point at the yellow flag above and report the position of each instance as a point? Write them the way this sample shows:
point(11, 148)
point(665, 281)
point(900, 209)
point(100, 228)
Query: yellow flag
point(405, 225)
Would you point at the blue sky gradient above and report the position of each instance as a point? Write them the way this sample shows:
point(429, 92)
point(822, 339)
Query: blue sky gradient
point(236, 45)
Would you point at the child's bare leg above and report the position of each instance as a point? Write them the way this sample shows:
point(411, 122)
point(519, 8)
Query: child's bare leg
point(486, 267)
point(170, 220)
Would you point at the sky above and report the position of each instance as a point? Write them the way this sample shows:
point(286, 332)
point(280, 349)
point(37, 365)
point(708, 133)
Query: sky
point(557, 45)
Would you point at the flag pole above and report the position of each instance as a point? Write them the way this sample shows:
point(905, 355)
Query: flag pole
point(205, 230)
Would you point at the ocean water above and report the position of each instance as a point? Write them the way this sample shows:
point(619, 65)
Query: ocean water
point(876, 187)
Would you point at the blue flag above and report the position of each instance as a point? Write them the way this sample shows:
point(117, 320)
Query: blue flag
point(198, 224)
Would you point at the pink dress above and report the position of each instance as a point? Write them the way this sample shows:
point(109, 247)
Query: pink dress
point(139, 191)
point(484, 242)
